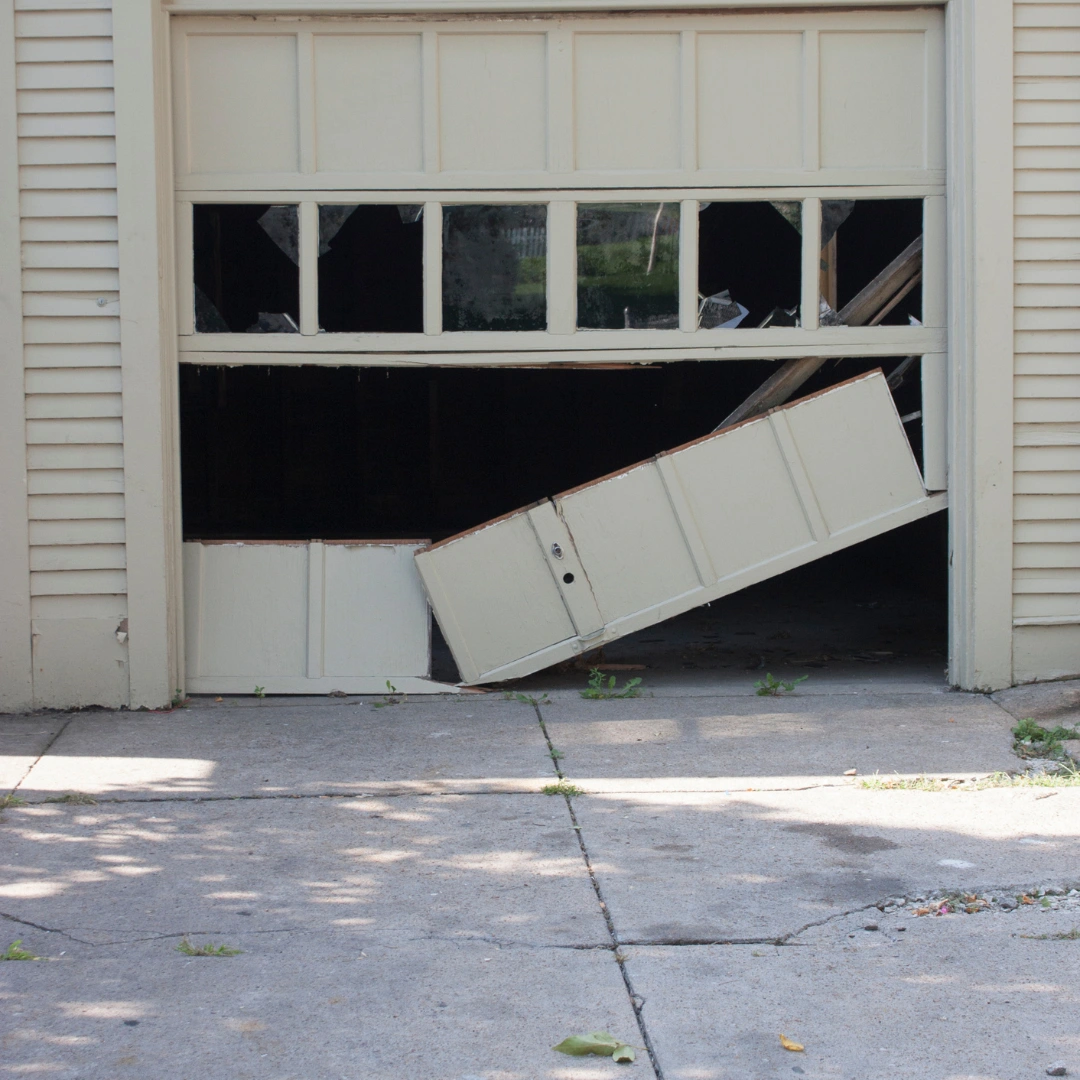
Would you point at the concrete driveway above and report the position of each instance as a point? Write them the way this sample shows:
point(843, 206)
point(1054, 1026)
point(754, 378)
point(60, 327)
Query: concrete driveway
point(408, 903)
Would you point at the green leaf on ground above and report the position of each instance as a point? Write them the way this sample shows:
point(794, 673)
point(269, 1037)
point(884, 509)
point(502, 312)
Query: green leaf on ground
point(599, 1043)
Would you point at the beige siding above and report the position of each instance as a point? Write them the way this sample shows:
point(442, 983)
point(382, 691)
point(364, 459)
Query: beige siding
point(1046, 581)
point(67, 182)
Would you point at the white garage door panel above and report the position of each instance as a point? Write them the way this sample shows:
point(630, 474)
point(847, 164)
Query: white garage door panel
point(723, 481)
point(855, 454)
point(873, 100)
point(375, 611)
point(626, 101)
point(493, 98)
point(241, 94)
point(735, 70)
point(246, 609)
point(305, 618)
point(634, 559)
point(744, 503)
point(368, 103)
point(500, 567)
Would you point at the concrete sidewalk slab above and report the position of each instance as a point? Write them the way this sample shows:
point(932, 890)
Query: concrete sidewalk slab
point(780, 742)
point(959, 997)
point(468, 743)
point(1052, 703)
point(307, 1007)
point(22, 741)
point(501, 866)
point(695, 867)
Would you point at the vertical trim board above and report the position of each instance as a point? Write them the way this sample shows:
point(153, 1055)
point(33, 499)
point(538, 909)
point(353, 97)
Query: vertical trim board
point(16, 686)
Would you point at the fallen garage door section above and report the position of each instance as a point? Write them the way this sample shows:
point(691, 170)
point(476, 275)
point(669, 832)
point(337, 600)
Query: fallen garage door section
point(553, 580)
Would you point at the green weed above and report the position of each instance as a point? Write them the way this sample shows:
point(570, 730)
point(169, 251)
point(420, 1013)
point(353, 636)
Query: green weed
point(602, 688)
point(1031, 739)
point(75, 798)
point(771, 687)
point(392, 698)
point(260, 691)
point(15, 952)
point(528, 699)
point(562, 788)
point(209, 949)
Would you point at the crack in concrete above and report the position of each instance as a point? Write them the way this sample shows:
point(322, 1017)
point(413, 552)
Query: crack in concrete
point(510, 943)
point(44, 750)
point(136, 940)
point(256, 797)
point(637, 1002)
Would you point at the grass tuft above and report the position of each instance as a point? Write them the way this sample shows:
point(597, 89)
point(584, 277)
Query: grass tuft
point(1065, 777)
point(1065, 935)
point(208, 949)
point(15, 951)
point(562, 788)
point(75, 798)
point(1032, 740)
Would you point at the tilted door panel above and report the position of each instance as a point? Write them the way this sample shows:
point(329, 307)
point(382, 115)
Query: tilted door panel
point(669, 534)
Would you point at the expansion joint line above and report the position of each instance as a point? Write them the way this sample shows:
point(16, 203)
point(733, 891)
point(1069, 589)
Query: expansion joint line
point(636, 1000)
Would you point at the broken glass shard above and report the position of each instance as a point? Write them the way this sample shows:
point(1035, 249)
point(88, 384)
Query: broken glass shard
point(720, 312)
point(247, 278)
point(371, 269)
point(494, 268)
point(628, 266)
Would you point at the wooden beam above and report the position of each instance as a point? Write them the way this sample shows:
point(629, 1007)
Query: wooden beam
point(880, 295)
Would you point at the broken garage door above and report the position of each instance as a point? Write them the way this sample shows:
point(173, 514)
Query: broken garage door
point(553, 580)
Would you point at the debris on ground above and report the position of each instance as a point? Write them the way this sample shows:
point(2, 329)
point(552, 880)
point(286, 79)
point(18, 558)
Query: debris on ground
point(599, 1043)
point(794, 1047)
point(1046, 898)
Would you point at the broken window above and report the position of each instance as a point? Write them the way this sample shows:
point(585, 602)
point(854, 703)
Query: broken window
point(371, 269)
point(494, 274)
point(749, 264)
point(871, 250)
point(247, 269)
point(628, 266)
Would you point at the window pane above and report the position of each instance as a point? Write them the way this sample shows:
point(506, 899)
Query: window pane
point(494, 268)
point(628, 266)
point(371, 269)
point(247, 269)
point(858, 240)
point(749, 264)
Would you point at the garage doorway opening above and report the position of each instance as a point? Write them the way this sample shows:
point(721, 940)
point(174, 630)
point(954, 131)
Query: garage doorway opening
point(313, 452)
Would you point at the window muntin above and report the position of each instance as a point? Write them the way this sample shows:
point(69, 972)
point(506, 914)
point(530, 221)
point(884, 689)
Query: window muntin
point(705, 320)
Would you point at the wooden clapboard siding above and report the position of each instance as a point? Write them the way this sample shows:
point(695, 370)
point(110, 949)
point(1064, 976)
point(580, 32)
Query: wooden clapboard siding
point(74, 432)
point(1046, 553)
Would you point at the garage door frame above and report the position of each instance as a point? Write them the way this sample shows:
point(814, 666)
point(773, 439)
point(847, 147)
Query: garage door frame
point(980, 214)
